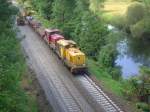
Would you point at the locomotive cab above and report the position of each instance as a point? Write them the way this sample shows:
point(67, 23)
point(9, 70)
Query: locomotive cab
point(75, 59)
point(62, 45)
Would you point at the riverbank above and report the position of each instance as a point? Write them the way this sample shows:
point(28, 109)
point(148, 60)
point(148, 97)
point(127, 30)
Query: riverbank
point(114, 89)
point(132, 54)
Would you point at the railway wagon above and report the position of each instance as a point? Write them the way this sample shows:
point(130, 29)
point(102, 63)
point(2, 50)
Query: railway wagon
point(41, 31)
point(34, 24)
point(37, 26)
point(72, 57)
point(51, 36)
point(20, 21)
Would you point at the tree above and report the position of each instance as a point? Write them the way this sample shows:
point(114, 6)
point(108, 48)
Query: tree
point(91, 35)
point(147, 6)
point(141, 29)
point(12, 97)
point(138, 19)
point(44, 7)
point(7, 10)
point(62, 11)
point(89, 31)
point(135, 13)
point(96, 5)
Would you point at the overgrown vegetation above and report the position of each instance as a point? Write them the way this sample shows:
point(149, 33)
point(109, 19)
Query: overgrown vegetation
point(12, 65)
point(137, 89)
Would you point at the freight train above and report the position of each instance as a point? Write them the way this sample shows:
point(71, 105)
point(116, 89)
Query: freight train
point(66, 50)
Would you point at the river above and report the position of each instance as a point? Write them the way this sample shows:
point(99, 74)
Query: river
point(132, 53)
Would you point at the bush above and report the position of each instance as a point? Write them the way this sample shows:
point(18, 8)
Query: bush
point(130, 88)
point(143, 106)
point(107, 56)
point(115, 73)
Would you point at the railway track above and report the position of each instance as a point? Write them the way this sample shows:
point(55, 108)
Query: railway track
point(99, 97)
point(66, 96)
point(60, 90)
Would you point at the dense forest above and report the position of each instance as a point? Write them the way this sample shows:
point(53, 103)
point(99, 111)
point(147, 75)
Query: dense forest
point(12, 64)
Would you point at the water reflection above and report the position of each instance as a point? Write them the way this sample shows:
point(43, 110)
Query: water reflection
point(140, 51)
point(132, 54)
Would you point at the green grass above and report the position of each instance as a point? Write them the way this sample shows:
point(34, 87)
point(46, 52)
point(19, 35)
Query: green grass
point(107, 81)
point(32, 102)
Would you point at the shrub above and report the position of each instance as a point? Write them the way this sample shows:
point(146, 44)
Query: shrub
point(130, 88)
point(116, 73)
point(107, 56)
point(143, 106)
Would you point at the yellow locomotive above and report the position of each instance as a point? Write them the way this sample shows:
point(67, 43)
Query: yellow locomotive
point(71, 55)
